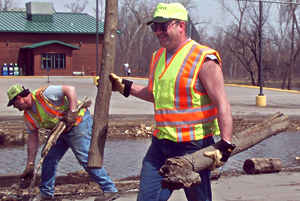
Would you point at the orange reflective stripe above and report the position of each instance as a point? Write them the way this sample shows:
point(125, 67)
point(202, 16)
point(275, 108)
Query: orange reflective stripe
point(46, 106)
point(30, 120)
point(155, 132)
point(183, 97)
point(153, 65)
point(183, 119)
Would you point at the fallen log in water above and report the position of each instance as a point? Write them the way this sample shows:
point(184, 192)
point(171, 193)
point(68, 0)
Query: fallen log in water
point(181, 172)
point(262, 165)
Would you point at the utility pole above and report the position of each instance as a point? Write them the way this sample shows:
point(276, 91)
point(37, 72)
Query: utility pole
point(97, 37)
point(261, 99)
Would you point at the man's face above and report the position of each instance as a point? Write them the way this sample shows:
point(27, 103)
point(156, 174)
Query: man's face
point(22, 103)
point(168, 34)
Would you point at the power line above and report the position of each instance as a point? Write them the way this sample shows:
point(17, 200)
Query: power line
point(277, 2)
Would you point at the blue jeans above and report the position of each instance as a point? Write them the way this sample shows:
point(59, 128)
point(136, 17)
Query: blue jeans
point(78, 139)
point(158, 152)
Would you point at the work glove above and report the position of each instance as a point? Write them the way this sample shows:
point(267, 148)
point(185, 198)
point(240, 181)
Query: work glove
point(70, 118)
point(28, 172)
point(221, 153)
point(121, 85)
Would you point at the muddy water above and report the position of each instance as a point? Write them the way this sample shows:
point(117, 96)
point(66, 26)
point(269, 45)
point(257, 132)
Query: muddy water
point(123, 157)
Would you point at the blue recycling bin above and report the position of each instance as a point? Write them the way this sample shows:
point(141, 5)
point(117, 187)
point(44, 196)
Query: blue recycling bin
point(4, 70)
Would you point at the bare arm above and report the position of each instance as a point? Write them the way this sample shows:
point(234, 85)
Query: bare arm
point(32, 146)
point(141, 92)
point(212, 78)
point(71, 94)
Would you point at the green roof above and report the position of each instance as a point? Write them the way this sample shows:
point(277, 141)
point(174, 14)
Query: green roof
point(49, 42)
point(60, 22)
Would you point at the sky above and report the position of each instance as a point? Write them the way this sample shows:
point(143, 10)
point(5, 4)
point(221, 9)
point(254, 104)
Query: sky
point(205, 10)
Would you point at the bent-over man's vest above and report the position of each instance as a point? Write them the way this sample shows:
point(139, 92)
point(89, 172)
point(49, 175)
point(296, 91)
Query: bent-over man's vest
point(48, 114)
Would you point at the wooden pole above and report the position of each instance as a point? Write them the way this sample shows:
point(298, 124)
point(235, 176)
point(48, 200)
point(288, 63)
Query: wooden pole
point(101, 111)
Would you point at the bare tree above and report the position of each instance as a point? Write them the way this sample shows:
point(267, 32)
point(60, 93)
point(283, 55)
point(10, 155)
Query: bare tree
point(77, 6)
point(244, 35)
point(136, 41)
point(101, 10)
point(5, 5)
point(289, 20)
point(133, 38)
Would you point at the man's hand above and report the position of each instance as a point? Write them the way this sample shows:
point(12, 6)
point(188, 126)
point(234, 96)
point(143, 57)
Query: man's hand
point(121, 85)
point(221, 154)
point(28, 172)
point(70, 118)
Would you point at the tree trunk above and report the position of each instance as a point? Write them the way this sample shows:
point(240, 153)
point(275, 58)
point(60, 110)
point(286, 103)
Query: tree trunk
point(262, 165)
point(182, 171)
point(101, 112)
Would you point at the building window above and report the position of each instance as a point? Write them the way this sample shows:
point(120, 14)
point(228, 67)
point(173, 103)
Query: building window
point(53, 61)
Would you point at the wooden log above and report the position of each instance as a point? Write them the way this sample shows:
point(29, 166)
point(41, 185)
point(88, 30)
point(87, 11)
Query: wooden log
point(182, 171)
point(9, 179)
point(262, 165)
point(101, 112)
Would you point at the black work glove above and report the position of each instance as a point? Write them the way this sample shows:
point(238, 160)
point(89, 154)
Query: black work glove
point(121, 85)
point(221, 153)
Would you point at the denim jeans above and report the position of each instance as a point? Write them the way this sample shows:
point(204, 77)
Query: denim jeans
point(78, 139)
point(158, 152)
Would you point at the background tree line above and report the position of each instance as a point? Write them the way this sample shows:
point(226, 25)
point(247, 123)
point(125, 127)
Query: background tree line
point(237, 42)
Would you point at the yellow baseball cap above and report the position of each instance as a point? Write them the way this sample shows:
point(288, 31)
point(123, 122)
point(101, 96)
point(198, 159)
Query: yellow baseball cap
point(13, 92)
point(166, 11)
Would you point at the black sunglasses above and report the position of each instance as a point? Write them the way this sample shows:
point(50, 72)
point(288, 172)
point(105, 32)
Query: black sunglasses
point(163, 27)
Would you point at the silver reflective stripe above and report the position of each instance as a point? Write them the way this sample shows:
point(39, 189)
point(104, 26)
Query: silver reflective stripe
point(185, 123)
point(184, 111)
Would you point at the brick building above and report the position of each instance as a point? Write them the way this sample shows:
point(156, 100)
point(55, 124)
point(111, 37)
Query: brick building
point(44, 42)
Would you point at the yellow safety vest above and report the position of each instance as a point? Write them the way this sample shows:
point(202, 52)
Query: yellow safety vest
point(47, 115)
point(183, 110)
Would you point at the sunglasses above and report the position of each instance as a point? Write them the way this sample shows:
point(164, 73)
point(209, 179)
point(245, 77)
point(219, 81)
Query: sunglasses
point(163, 27)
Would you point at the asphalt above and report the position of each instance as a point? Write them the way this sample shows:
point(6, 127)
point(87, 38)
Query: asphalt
point(242, 98)
point(283, 186)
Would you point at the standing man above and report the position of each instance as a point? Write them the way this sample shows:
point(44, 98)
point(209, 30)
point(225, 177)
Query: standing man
point(127, 69)
point(42, 109)
point(187, 88)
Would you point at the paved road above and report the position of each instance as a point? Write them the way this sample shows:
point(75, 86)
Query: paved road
point(242, 99)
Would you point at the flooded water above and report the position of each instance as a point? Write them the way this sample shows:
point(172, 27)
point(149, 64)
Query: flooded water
point(123, 157)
